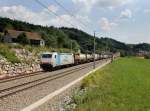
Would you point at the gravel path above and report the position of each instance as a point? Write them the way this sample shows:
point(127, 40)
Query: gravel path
point(27, 97)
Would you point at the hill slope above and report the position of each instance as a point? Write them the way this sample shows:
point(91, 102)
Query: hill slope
point(86, 41)
point(70, 37)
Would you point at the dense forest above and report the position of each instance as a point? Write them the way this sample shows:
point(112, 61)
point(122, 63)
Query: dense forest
point(71, 38)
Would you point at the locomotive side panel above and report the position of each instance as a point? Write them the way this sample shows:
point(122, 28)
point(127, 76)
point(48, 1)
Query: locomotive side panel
point(65, 59)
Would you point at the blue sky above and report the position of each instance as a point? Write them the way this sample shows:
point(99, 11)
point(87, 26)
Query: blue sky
point(124, 20)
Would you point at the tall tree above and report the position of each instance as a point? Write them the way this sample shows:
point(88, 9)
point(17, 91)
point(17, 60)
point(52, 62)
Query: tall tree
point(1, 37)
point(22, 39)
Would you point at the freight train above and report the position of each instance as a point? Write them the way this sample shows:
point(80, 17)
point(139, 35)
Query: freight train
point(52, 60)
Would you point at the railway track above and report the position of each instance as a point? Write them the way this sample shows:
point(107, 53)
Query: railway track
point(20, 76)
point(24, 86)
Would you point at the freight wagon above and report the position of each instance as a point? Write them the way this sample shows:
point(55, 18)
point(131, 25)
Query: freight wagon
point(97, 56)
point(80, 58)
point(89, 57)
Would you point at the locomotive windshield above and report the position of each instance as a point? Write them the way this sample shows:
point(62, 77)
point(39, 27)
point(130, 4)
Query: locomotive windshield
point(46, 55)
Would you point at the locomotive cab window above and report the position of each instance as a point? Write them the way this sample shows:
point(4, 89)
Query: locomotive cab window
point(55, 56)
point(46, 55)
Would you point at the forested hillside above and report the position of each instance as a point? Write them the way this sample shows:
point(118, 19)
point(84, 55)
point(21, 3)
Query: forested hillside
point(71, 38)
point(54, 37)
point(86, 41)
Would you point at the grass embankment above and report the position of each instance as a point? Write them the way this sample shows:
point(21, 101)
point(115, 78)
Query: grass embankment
point(5, 51)
point(123, 85)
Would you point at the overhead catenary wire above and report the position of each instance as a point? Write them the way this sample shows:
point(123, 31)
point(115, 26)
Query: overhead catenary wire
point(44, 6)
point(66, 10)
point(72, 15)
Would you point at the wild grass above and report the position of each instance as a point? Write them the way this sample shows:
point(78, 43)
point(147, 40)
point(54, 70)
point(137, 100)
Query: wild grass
point(8, 54)
point(123, 85)
point(5, 50)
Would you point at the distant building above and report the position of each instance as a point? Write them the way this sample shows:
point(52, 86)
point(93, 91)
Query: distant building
point(10, 36)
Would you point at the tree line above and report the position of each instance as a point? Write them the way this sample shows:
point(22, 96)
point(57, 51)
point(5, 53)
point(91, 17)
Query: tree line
point(71, 38)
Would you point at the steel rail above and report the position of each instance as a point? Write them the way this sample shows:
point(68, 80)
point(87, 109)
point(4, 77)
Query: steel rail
point(11, 90)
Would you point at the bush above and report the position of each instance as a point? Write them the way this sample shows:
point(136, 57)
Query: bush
point(1, 38)
point(29, 48)
point(8, 54)
point(123, 53)
point(16, 46)
point(22, 39)
point(147, 56)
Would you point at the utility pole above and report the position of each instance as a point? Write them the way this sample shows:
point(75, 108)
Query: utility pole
point(71, 45)
point(94, 51)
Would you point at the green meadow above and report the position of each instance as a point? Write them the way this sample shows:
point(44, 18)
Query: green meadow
point(123, 85)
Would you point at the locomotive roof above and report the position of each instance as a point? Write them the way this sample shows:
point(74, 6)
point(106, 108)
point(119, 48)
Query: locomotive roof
point(47, 53)
point(56, 53)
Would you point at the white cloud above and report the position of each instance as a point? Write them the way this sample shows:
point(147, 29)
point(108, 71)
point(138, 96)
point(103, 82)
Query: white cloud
point(106, 25)
point(87, 5)
point(42, 17)
point(126, 14)
point(84, 5)
point(24, 14)
point(53, 8)
point(59, 21)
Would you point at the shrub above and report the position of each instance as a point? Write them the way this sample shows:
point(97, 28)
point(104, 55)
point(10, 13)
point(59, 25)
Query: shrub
point(123, 53)
point(22, 39)
point(147, 56)
point(1, 37)
point(8, 54)
point(29, 48)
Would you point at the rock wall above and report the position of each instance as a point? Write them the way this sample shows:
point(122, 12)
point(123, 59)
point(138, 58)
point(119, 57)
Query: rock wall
point(32, 64)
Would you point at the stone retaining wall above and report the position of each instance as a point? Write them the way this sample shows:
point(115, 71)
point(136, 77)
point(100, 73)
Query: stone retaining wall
point(9, 69)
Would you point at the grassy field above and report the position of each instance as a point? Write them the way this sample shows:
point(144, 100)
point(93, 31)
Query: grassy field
point(123, 85)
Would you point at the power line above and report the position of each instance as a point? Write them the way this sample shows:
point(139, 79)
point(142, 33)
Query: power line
point(43, 5)
point(72, 15)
